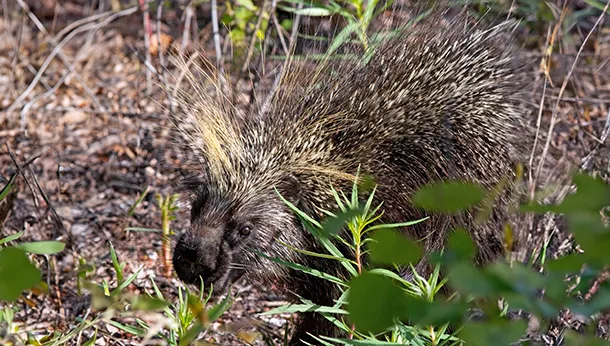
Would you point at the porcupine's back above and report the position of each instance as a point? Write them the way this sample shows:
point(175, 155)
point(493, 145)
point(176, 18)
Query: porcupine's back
point(440, 102)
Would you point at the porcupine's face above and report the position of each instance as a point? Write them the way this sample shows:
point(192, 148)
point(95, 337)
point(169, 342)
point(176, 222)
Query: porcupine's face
point(217, 246)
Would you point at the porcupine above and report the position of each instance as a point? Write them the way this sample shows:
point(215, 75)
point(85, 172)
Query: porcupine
point(438, 102)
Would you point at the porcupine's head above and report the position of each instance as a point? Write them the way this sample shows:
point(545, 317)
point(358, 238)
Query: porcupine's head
point(236, 208)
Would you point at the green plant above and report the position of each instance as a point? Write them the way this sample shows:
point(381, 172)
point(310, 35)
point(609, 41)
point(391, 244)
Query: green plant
point(359, 219)
point(358, 15)
point(379, 307)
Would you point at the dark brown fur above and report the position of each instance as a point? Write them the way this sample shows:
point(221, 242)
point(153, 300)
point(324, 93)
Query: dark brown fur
point(439, 102)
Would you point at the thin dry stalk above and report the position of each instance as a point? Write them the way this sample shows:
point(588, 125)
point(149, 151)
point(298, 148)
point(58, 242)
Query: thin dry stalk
point(147, 36)
point(259, 22)
point(563, 87)
point(280, 75)
point(56, 51)
point(71, 66)
point(547, 56)
point(187, 26)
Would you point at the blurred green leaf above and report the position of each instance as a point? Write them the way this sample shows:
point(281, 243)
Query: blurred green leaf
point(333, 225)
point(449, 196)
point(391, 247)
point(498, 332)
point(468, 279)
point(11, 237)
point(460, 243)
point(141, 302)
point(7, 188)
point(42, 247)
point(247, 4)
point(17, 273)
point(374, 302)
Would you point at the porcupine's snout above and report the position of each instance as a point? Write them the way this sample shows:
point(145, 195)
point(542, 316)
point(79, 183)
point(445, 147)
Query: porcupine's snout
point(195, 260)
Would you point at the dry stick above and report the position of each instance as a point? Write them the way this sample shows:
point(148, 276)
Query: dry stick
point(278, 78)
point(187, 26)
point(551, 41)
point(7, 20)
point(20, 171)
point(56, 51)
point(562, 90)
point(588, 159)
point(217, 49)
point(279, 29)
point(147, 36)
point(261, 57)
point(162, 64)
point(54, 214)
point(71, 66)
point(61, 81)
point(14, 42)
point(216, 33)
point(259, 22)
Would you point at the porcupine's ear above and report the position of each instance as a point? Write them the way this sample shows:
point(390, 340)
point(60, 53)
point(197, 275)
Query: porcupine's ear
point(290, 189)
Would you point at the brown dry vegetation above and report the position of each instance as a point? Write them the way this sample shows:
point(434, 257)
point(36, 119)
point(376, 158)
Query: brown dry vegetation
point(79, 122)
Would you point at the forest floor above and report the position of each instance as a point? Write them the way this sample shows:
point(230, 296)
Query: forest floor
point(89, 138)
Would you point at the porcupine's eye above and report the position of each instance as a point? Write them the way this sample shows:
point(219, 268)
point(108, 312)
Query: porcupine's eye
point(245, 231)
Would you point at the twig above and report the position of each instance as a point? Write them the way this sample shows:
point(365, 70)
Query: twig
point(219, 63)
point(27, 166)
point(20, 171)
point(250, 51)
point(187, 26)
point(163, 67)
point(586, 161)
point(215, 30)
point(551, 40)
point(279, 29)
point(147, 36)
point(56, 51)
point(562, 90)
point(278, 78)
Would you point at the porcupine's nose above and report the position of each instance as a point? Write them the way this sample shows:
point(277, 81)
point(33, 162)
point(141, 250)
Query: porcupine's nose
point(192, 259)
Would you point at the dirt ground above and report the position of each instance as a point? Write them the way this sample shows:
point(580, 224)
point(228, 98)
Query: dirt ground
point(89, 137)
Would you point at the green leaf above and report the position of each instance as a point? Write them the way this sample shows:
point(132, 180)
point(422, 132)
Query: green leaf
point(469, 279)
point(292, 308)
point(592, 194)
point(571, 263)
point(600, 302)
point(460, 243)
point(304, 269)
point(310, 12)
point(140, 302)
point(397, 225)
point(391, 247)
point(374, 302)
point(247, 4)
point(592, 235)
point(448, 197)
point(595, 3)
point(498, 332)
point(7, 188)
point(42, 247)
point(14, 264)
point(129, 329)
point(217, 310)
point(333, 225)
point(11, 238)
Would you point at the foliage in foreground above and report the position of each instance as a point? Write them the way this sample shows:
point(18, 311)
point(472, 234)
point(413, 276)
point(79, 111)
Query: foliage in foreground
point(379, 307)
point(151, 315)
